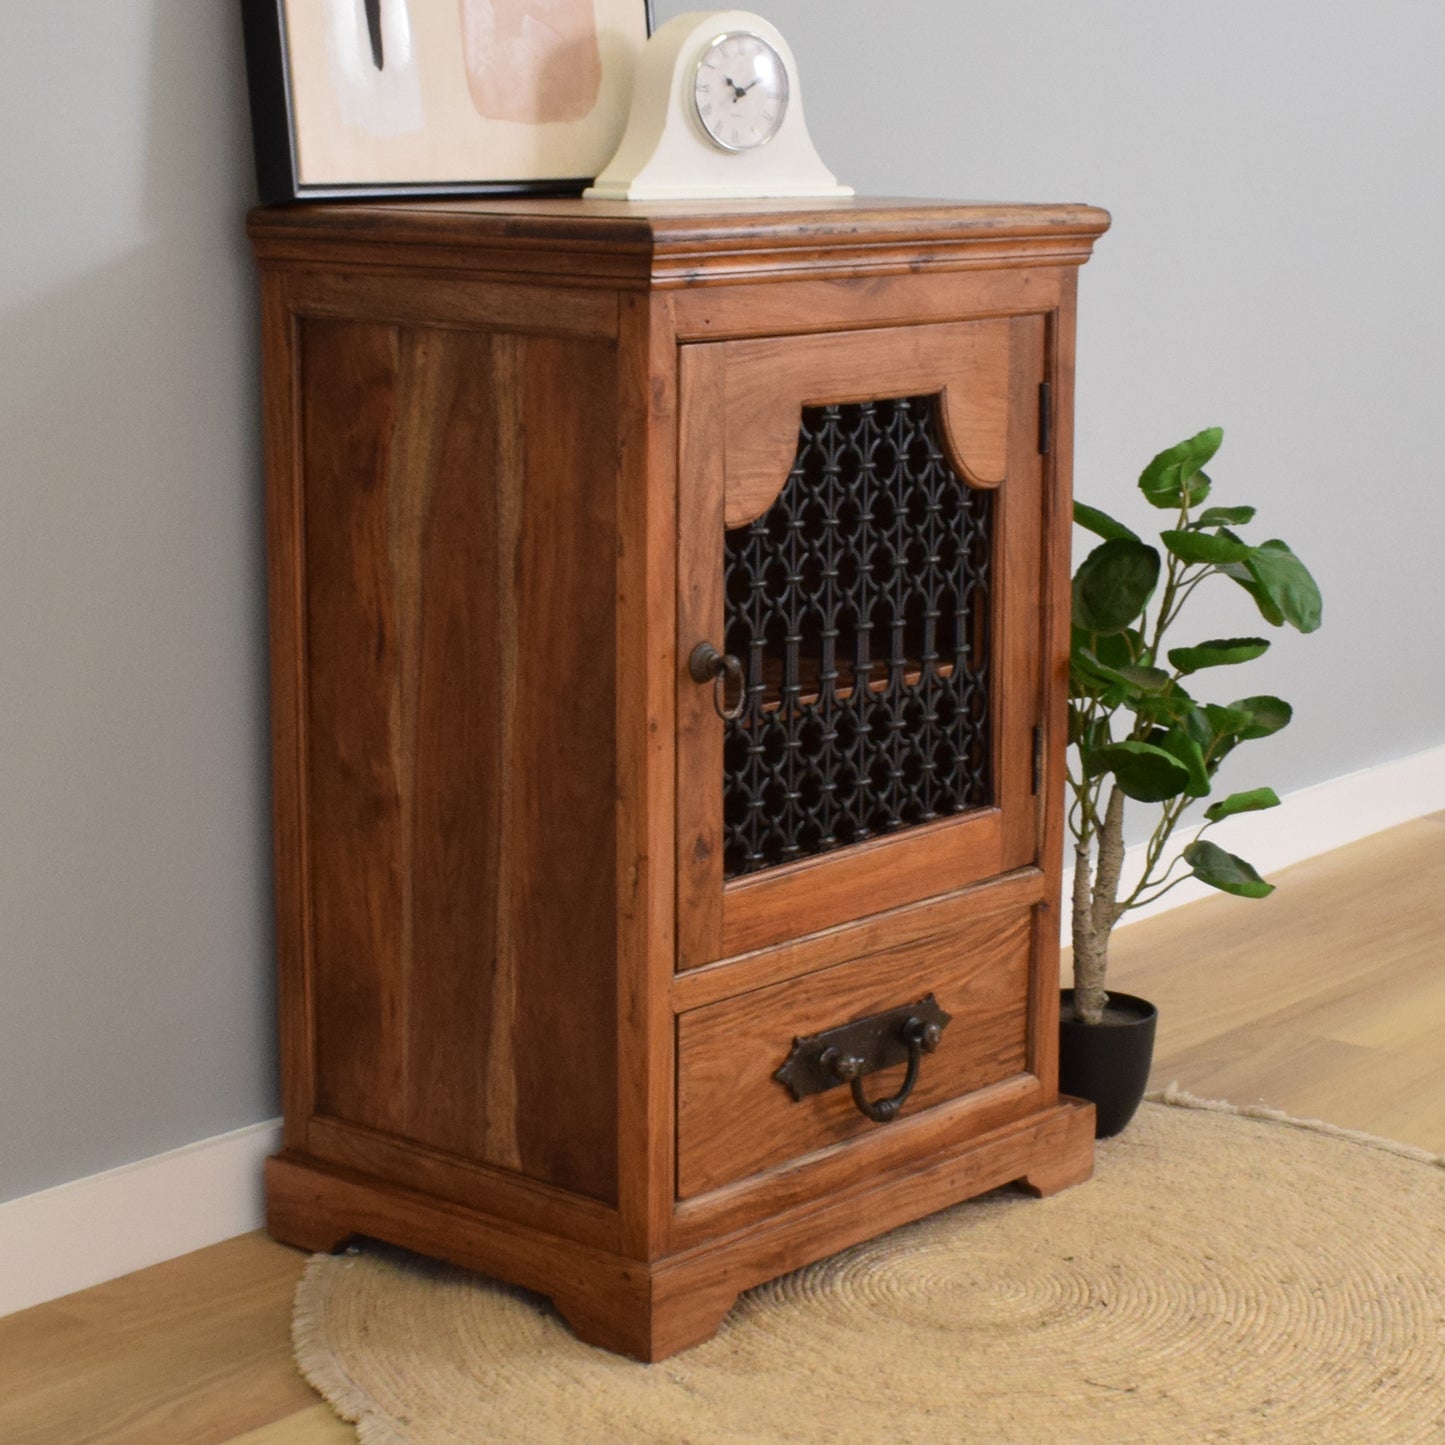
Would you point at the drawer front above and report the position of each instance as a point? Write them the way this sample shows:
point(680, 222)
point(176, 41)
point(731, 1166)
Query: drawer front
point(736, 1120)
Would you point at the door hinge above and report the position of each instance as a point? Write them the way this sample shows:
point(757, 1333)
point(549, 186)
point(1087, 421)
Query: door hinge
point(1046, 418)
point(1038, 759)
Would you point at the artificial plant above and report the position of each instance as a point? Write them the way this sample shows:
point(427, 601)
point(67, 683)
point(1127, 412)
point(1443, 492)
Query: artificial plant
point(1137, 732)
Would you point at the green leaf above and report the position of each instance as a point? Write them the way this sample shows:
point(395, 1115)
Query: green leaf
point(1224, 517)
point(1144, 772)
point(1178, 744)
point(1241, 574)
point(1136, 679)
point(1218, 652)
point(1253, 801)
point(1100, 523)
point(1145, 679)
point(1212, 865)
point(1114, 584)
point(1173, 706)
point(1226, 721)
point(1266, 715)
point(1215, 729)
point(1197, 725)
point(1118, 649)
point(1174, 477)
point(1286, 582)
point(1086, 679)
point(1191, 546)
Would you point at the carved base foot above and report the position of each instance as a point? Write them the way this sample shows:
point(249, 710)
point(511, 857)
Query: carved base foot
point(1072, 1162)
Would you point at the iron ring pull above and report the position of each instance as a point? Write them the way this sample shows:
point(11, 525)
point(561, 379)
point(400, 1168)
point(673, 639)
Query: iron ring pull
point(921, 1038)
point(707, 664)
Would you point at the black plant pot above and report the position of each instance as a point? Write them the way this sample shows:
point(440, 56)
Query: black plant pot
point(1107, 1063)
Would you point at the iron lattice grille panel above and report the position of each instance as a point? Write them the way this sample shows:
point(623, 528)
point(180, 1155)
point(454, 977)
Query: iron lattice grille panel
point(859, 607)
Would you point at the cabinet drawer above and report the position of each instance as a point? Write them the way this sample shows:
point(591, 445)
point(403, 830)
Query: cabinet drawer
point(735, 1119)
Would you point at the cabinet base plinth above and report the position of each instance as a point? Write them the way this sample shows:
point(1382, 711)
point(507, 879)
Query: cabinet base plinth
point(652, 1309)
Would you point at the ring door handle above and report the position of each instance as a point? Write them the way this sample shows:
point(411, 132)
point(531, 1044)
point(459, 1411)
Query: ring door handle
point(707, 664)
point(921, 1037)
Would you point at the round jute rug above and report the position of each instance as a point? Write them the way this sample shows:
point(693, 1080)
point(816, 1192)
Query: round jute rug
point(1222, 1277)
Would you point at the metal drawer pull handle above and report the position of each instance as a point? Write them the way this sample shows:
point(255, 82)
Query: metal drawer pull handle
point(921, 1038)
point(849, 1053)
point(707, 664)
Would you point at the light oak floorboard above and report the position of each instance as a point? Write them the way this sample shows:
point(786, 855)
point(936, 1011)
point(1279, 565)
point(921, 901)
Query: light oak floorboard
point(195, 1351)
point(1325, 999)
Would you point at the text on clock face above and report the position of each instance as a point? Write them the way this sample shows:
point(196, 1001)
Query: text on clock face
point(741, 91)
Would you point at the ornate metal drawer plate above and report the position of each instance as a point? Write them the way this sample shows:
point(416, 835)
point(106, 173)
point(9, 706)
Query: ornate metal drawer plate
point(849, 1053)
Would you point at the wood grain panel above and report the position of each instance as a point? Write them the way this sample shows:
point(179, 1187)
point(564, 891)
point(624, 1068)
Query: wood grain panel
point(818, 307)
point(946, 1128)
point(701, 480)
point(285, 591)
point(776, 904)
point(562, 831)
point(460, 1181)
point(645, 643)
point(735, 1119)
point(350, 415)
point(769, 382)
point(874, 934)
point(1018, 631)
point(458, 501)
point(454, 303)
point(577, 243)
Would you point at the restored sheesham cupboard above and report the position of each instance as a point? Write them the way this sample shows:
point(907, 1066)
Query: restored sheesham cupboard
point(669, 624)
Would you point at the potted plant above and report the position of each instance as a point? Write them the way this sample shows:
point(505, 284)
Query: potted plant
point(1139, 734)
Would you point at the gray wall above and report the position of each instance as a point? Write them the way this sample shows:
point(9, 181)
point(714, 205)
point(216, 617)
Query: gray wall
point(135, 934)
point(1274, 171)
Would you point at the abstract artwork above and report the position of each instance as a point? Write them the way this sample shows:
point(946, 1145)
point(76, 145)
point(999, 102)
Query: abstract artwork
point(384, 97)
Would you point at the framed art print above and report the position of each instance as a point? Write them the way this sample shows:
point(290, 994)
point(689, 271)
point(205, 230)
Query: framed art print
point(437, 97)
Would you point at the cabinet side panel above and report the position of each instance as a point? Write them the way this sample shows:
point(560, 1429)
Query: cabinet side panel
point(563, 824)
point(353, 810)
point(460, 742)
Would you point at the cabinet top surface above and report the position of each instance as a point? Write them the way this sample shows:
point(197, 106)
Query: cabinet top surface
point(660, 226)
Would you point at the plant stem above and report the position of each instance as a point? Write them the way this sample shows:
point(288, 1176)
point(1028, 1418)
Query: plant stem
point(1096, 910)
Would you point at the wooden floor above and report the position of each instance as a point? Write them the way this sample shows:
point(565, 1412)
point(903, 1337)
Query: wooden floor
point(1326, 1000)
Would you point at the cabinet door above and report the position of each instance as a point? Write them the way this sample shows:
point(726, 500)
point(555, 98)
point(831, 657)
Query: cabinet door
point(860, 528)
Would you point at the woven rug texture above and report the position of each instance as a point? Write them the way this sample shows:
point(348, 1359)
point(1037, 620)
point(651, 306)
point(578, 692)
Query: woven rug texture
point(1227, 1275)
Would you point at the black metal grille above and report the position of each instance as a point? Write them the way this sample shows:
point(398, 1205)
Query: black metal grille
point(859, 607)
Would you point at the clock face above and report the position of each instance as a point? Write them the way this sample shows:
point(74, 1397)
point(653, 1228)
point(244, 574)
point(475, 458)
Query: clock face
point(740, 91)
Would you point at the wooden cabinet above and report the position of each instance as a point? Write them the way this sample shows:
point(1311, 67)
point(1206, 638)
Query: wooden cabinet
point(558, 888)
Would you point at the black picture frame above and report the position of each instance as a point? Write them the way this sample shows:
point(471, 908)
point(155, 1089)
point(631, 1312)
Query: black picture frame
point(274, 128)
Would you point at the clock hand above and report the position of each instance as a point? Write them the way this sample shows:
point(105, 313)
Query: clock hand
point(732, 86)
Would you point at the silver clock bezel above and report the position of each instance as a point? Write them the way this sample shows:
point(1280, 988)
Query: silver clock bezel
point(697, 115)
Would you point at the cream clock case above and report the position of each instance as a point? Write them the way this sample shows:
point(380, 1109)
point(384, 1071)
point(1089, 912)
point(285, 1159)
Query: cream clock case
point(717, 111)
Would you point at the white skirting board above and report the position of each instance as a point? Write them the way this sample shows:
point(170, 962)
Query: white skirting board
point(94, 1229)
point(1308, 822)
